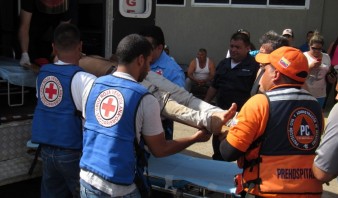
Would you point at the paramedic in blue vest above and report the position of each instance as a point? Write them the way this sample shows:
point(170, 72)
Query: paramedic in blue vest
point(57, 123)
point(164, 65)
point(276, 134)
point(120, 115)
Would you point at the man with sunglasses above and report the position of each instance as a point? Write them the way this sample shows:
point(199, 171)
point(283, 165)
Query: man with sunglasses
point(276, 134)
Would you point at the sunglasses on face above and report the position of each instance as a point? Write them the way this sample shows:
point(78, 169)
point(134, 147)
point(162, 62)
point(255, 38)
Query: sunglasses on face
point(316, 48)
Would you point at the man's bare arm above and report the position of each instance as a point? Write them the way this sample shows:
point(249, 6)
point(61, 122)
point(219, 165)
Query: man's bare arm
point(322, 175)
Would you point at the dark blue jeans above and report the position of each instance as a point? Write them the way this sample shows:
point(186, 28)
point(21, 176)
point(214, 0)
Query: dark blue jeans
point(61, 172)
point(88, 191)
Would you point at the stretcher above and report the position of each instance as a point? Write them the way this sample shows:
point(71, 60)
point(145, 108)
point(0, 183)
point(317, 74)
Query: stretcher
point(187, 176)
point(11, 73)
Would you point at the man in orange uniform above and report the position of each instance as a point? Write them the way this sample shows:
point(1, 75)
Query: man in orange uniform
point(275, 134)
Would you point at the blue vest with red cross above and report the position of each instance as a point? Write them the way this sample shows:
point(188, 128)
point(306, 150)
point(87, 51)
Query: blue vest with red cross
point(56, 120)
point(109, 130)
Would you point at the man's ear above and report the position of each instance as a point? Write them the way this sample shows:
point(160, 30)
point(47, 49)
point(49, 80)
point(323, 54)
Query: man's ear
point(141, 60)
point(80, 46)
point(54, 49)
point(248, 48)
point(53, 55)
point(161, 47)
point(277, 75)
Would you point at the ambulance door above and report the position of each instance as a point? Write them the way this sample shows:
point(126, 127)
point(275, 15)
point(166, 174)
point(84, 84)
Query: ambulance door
point(125, 17)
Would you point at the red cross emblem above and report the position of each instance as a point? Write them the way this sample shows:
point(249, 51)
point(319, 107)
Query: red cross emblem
point(108, 107)
point(51, 91)
point(159, 72)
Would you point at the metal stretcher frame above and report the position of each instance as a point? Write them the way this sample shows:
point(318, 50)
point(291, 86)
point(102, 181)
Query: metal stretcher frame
point(12, 73)
point(10, 92)
point(182, 175)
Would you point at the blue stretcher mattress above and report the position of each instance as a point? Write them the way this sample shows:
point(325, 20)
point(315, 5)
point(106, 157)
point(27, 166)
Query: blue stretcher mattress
point(11, 71)
point(213, 175)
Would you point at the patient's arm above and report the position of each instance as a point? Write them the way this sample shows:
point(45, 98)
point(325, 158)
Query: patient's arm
point(182, 106)
point(96, 65)
point(212, 118)
point(212, 121)
point(179, 94)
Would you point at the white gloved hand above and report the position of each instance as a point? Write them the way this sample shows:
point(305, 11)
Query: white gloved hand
point(24, 61)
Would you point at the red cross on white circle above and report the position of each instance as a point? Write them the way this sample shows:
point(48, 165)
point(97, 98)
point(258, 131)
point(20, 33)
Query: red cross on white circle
point(108, 107)
point(50, 91)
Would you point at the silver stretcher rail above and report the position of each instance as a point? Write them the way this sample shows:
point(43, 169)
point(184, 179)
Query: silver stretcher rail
point(180, 174)
point(13, 74)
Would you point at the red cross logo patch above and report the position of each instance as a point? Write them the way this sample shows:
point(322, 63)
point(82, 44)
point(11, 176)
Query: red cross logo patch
point(159, 72)
point(51, 91)
point(109, 107)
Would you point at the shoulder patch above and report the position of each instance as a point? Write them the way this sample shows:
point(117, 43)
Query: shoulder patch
point(303, 129)
point(159, 72)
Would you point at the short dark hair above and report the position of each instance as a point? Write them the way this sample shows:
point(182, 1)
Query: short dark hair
point(244, 31)
point(154, 32)
point(66, 37)
point(309, 32)
point(241, 36)
point(203, 50)
point(131, 47)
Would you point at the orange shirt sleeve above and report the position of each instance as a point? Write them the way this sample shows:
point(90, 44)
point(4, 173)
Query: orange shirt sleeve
point(251, 123)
